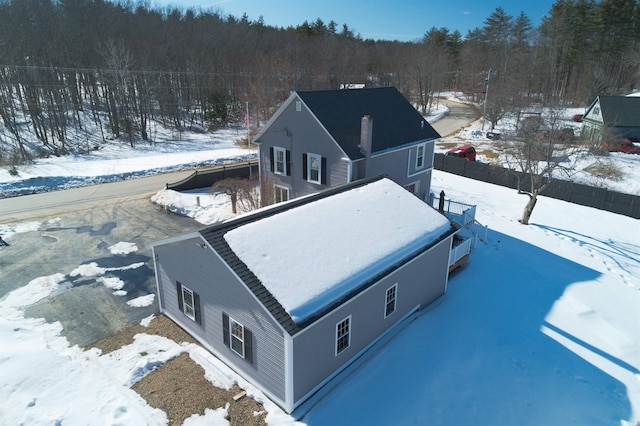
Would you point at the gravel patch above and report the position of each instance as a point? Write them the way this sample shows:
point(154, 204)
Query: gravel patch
point(159, 326)
point(179, 387)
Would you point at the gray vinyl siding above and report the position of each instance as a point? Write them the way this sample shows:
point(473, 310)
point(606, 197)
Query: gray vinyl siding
point(420, 282)
point(399, 165)
point(300, 133)
point(203, 272)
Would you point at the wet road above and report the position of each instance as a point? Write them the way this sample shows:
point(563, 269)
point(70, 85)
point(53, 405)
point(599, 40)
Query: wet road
point(460, 115)
point(52, 203)
point(90, 303)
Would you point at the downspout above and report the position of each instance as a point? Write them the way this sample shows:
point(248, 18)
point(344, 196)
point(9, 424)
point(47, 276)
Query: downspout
point(289, 400)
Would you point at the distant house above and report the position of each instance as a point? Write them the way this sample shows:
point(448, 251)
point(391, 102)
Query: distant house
point(292, 294)
point(319, 139)
point(612, 117)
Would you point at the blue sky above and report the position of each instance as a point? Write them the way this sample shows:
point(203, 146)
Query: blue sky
point(404, 20)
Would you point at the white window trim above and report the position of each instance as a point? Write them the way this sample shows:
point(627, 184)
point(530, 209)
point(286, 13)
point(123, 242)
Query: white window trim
point(421, 158)
point(310, 158)
point(395, 300)
point(186, 290)
point(276, 151)
point(232, 337)
point(416, 185)
point(348, 334)
point(283, 189)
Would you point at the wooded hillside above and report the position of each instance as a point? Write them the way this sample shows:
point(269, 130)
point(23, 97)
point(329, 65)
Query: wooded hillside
point(124, 64)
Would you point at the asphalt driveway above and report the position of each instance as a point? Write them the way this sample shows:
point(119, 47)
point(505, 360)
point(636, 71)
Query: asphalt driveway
point(91, 303)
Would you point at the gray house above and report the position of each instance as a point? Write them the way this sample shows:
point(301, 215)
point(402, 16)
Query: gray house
point(612, 117)
point(292, 294)
point(319, 139)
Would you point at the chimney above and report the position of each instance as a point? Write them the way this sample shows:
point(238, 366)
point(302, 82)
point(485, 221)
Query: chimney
point(366, 135)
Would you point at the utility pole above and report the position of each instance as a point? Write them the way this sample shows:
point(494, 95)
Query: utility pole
point(486, 93)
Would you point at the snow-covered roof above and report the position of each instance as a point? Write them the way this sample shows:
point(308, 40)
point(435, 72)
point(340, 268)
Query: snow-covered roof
point(310, 256)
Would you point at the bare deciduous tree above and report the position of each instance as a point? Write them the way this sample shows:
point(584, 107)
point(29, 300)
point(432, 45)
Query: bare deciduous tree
point(541, 156)
point(244, 193)
point(120, 61)
point(75, 55)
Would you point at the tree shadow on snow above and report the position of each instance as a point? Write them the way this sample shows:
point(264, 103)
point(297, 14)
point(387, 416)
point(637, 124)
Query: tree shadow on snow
point(481, 357)
point(624, 255)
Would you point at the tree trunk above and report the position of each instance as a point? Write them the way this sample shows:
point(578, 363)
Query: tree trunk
point(234, 202)
point(528, 209)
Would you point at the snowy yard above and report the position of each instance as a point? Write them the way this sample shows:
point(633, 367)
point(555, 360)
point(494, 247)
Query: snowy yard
point(540, 326)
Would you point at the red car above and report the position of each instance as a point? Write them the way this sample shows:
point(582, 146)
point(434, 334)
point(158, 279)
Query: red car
point(465, 151)
point(627, 146)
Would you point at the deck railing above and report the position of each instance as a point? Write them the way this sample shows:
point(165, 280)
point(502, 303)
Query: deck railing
point(459, 251)
point(464, 215)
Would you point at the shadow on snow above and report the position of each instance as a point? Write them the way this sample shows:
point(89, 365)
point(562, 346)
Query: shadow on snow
point(623, 255)
point(480, 356)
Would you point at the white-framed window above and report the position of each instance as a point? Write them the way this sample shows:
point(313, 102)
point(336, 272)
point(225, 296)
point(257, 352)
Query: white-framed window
point(279, 160)
point(314, 163)
point(236, 337)
point(413, 187)
point(280, 193)
point(421, 152)
point(390, 300)
point(314, 168)
point(188, 303)
point(343, 334)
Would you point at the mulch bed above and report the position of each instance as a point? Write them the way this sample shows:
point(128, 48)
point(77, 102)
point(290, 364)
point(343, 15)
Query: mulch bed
point(179, 387)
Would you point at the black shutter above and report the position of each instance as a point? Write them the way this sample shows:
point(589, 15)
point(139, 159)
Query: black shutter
point(304, 166)
point(288, 157)
point(323, 171)
point(196, 307)
point(179, 288)
point(271, 158)
point(248, 345)
point(225, 330)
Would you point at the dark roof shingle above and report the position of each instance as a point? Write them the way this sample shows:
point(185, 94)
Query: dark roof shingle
point(620, 111)
point(395, 121)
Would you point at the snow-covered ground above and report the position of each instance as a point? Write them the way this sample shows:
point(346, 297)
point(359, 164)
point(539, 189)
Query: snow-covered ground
point(114, 162)
point(615, 171)
point(197, 149)
point(540, 326)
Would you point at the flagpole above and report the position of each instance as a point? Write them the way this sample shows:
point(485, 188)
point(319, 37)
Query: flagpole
point(247, 124)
